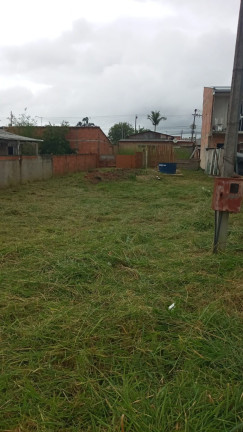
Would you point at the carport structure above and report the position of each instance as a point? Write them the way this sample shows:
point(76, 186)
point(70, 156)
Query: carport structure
point(16, 145)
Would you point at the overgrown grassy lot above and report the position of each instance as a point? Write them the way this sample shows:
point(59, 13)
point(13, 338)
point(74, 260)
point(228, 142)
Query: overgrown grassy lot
point(88, 342)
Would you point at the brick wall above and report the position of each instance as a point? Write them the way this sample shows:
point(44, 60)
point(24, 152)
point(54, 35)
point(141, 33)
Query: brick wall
point(130, 161)
point(85, 140)
point(89, 140)
point(73, 163)
point(107, 161)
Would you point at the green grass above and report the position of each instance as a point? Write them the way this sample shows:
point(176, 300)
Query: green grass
point(88, 272)
point(122, 151)
point(182, 153)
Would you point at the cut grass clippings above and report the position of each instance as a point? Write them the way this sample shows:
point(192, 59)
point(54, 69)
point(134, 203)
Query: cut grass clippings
point(88, 342)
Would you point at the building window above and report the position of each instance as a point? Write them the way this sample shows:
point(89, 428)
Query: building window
point(10, 150)
point(241, 119)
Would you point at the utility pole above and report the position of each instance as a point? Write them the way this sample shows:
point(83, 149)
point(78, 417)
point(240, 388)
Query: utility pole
point(231, 136)
point(193, 126)
point(11, 118)
point(135, 129)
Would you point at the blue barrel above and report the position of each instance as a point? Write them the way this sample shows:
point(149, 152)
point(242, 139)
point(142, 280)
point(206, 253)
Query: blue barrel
point(167, 168)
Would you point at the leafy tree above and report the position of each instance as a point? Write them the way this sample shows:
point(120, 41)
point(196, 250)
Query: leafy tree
point(24, 124)
point(142, 129)
point(23, 119)
point(120, 131)
point(155, 118)
point(65, 123)
point(55, 141)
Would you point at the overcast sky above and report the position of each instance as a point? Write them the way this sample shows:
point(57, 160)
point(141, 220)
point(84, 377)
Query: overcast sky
point(113, 59)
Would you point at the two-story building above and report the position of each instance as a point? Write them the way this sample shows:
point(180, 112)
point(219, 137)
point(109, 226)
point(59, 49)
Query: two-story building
point(214, 121)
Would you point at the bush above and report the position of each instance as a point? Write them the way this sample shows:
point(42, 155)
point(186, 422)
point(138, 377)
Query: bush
point(55, 141)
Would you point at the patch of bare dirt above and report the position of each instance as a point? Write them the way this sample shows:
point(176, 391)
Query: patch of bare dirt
point(97, 176)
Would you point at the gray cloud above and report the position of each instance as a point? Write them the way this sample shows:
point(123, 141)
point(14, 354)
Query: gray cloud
point(125, 67)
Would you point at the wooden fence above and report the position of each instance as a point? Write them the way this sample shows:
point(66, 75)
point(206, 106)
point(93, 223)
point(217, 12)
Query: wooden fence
point(159, 154)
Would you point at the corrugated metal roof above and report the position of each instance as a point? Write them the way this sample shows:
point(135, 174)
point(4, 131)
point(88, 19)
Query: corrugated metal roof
point(159, 140)
point(148, 132)
point(4, 135)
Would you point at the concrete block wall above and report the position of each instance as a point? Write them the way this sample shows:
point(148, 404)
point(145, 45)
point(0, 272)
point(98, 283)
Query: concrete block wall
point(16, 170)
point(35, 168)
point(9, 171)
point(192, 164)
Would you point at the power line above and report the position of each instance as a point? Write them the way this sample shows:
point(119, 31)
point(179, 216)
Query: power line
point(105, 115)
point(106, 121)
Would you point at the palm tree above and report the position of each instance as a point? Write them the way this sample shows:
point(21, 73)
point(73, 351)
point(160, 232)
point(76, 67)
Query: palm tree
point(86, 121)
point(155, 118)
